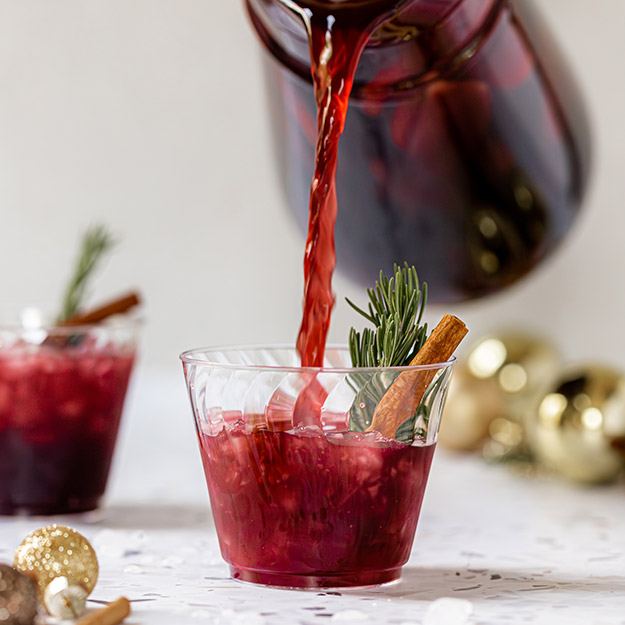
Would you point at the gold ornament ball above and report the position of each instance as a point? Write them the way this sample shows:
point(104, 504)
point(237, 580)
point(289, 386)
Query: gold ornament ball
point(18, 597)
point(520, 365)
point(470, 408)
point(579, 422)
point(57, 551)
point(506, 441)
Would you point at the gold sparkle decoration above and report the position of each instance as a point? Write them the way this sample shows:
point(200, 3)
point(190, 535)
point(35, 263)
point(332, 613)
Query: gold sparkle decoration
point(471, 406)
point(519, 364)
point(58, 551)
point(517, 367)
point(18, 597)
point(579, 422)
point(494, 387)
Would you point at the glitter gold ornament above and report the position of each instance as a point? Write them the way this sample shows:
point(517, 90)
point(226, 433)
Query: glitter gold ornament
point(57, 551)
point(471, 406)
point(520, 365)
point(578, 423)
point(506, 442)
point(18, 597)
point(494, 387)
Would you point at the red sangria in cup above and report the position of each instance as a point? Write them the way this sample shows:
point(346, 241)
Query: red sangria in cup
point(62, 392)
point(303, 492)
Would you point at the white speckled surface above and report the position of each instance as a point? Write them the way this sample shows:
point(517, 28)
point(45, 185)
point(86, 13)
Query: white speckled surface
point(521, 551)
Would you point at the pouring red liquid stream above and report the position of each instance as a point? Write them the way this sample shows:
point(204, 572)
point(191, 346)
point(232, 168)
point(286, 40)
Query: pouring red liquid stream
point(334, 55)
point(338, 32)
point(336, 43)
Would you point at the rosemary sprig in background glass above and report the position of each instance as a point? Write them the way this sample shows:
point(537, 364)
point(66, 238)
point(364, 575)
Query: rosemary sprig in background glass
point(96, 243)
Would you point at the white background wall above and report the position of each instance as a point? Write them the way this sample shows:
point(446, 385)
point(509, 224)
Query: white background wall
point(150, 115)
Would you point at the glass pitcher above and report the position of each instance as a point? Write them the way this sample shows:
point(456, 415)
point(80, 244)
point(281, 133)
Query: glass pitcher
point(466, 146)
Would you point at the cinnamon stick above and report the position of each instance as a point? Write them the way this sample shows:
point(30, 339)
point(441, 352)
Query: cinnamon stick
point(117, 306)
point(402, 399)
point(113, 614)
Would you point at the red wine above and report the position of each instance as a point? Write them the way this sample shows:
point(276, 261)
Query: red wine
point(59, 415)
point(307, 508)
point(465, 150)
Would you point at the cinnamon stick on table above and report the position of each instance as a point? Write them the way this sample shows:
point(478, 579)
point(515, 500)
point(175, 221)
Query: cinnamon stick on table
point(402, 399)
point(117, 306)
point(113, 614)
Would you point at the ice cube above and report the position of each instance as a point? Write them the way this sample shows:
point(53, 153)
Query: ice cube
point(232, 418)
point(363, 439)
point(306, 431)
point(279, 409)
point(360, 439)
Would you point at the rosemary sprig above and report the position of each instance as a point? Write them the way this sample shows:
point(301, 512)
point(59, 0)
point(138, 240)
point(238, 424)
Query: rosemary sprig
point(395, 309)
point(96, 242)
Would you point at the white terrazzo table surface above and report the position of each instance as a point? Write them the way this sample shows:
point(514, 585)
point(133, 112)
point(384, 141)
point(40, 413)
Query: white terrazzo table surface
point(519, 550)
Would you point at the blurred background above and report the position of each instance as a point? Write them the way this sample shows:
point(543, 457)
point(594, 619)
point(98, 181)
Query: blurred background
point(150, 116)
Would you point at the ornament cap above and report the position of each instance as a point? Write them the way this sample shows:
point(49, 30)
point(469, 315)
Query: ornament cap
point(64, 600)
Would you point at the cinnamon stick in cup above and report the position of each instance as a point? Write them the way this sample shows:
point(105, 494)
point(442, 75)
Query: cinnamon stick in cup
point(402, 399)
point(117, 306)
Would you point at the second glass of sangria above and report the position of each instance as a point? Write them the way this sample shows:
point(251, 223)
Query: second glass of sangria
point(62, 392)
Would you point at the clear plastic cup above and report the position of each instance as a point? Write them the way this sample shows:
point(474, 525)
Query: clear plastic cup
point(62, 392)
point(301, 495)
